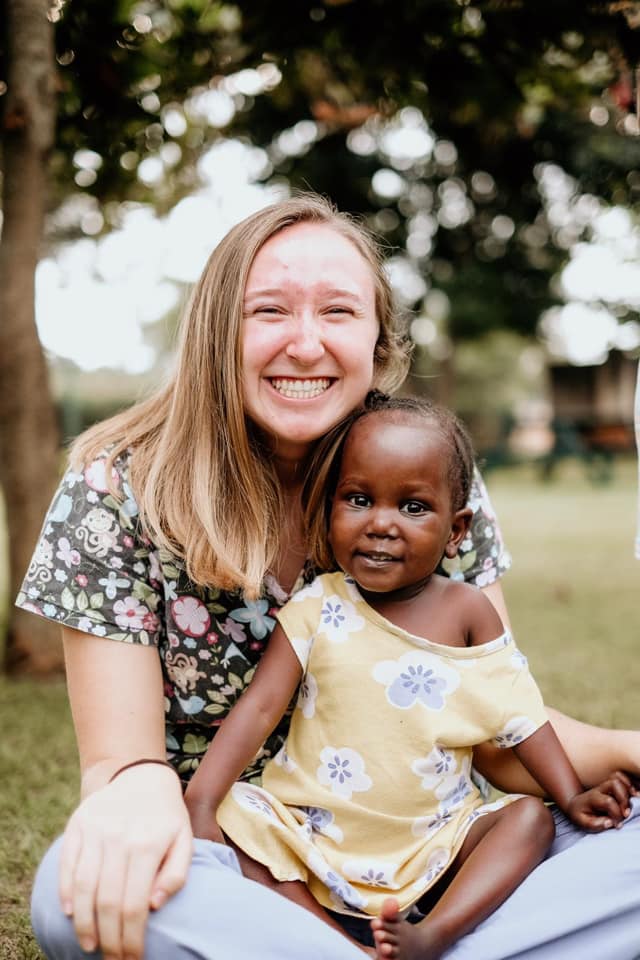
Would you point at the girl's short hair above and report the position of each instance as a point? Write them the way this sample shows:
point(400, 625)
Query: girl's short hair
point(325, 469)
point(206, 488)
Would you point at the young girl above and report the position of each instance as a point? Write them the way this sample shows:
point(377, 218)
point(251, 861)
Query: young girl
point(403, 672)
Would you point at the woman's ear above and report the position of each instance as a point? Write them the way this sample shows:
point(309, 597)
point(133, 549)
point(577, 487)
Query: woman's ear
point(460, 524)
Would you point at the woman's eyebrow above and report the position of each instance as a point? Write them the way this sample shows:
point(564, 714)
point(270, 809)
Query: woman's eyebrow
point(322, 291)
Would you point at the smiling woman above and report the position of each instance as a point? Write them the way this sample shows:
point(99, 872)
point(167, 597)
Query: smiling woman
point(309, 300)
point(192, 498)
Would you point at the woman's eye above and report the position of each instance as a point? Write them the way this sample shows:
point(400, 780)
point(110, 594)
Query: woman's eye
point(338, 311)
point(414, 508)
point(358, 500)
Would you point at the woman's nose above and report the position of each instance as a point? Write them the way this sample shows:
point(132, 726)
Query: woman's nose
point(306, 343)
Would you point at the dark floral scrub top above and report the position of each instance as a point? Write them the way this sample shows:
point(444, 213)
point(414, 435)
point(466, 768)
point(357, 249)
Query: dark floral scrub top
point(94, 571)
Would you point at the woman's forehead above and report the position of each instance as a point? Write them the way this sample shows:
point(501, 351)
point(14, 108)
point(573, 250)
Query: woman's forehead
point(323, 245)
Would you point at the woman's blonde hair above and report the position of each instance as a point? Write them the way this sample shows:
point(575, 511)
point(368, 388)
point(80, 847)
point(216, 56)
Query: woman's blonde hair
point(205, 486)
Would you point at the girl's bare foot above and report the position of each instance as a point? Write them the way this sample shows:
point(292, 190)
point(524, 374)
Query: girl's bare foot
point(396, 939)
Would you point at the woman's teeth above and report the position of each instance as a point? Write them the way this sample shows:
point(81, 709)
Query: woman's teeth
point(300, 389)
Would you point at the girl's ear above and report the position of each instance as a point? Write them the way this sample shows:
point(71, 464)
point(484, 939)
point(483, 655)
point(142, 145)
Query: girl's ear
point(460, 523)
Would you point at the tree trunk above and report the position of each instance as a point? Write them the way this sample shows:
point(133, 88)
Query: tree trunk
point(28, 427)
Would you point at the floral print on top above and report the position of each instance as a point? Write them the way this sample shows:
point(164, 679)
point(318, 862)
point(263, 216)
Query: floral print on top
point(95, 571)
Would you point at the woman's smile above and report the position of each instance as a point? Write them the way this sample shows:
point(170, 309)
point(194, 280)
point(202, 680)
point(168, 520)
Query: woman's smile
point(295, 388)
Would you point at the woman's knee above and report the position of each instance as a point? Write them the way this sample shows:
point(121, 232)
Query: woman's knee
point(170, 931)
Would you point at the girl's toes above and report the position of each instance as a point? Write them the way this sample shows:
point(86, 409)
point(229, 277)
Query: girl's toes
point(390, 912)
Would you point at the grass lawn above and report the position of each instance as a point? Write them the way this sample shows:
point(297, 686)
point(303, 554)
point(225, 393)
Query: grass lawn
point(573, 593)
point(573, 596)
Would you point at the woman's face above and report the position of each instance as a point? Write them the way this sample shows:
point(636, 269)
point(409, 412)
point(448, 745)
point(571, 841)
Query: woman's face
point(308, 335)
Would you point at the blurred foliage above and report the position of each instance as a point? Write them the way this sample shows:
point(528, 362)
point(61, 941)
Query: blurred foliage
point(495, 90)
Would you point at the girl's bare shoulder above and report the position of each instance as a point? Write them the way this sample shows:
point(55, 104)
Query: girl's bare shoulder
point(478, 618)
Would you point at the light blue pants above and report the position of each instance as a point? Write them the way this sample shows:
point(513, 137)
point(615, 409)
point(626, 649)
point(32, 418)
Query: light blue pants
point(582, 903)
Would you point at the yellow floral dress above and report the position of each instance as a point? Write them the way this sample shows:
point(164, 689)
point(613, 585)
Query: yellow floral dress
point(371, 793)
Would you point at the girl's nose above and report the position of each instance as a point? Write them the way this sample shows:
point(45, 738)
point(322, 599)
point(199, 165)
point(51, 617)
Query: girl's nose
point(306, 344)
point(382, 523)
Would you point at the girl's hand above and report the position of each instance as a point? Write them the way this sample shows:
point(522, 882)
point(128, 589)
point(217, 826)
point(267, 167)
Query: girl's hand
point(127, 848)
point(604, 806)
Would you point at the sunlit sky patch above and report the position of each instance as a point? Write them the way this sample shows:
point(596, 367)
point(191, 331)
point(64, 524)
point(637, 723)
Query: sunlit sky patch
point(94, 297)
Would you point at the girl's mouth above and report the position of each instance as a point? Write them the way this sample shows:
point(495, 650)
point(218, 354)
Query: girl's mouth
point(378, 557)
point(298, 389)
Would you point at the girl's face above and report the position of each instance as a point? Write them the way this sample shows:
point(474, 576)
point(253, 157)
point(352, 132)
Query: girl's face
point(391, 517)
point(308, 335)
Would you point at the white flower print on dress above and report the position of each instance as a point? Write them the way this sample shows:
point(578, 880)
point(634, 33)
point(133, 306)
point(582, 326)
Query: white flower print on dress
point(61, 509)
point(343, 771)
point(67, 554)
point(453, 790)
point(435, 865)
point(191, 616)
point(373, 873)
point(95, 476)
point(319, 820)
point(516, 730)
point(307, 696)
point(427, 827)
point(254, 800)
point(282, 759)
point(43, 555)
point(112, 583)
point(338, 618)
point(341, 892)
point(417, 677)
point(129, 614)
point(313, 589)
point(437, 764)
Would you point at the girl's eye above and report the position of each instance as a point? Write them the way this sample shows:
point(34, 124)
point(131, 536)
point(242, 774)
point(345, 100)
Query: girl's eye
point(339, 311)
point(414, 508)
point(358, 500)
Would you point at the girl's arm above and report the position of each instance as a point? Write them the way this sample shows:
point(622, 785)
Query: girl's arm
point(243, 732)
point(600, 808)
point(128, 844)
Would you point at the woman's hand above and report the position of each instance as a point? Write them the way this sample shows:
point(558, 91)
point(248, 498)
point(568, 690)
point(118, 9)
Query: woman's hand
point(127, 848)
point(604, 806)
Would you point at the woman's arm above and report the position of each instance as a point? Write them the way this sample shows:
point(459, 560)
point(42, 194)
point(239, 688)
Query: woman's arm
point(128, 844)
point(243, 732)
point(493, 592)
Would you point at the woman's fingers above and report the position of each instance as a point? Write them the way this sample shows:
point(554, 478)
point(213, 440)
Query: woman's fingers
point(83, 898)
point(141, 874)
point(111, 897)
point(173, 871)
point(71, 844)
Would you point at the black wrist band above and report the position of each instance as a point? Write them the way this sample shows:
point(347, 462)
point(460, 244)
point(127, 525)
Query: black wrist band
point(135, 763)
